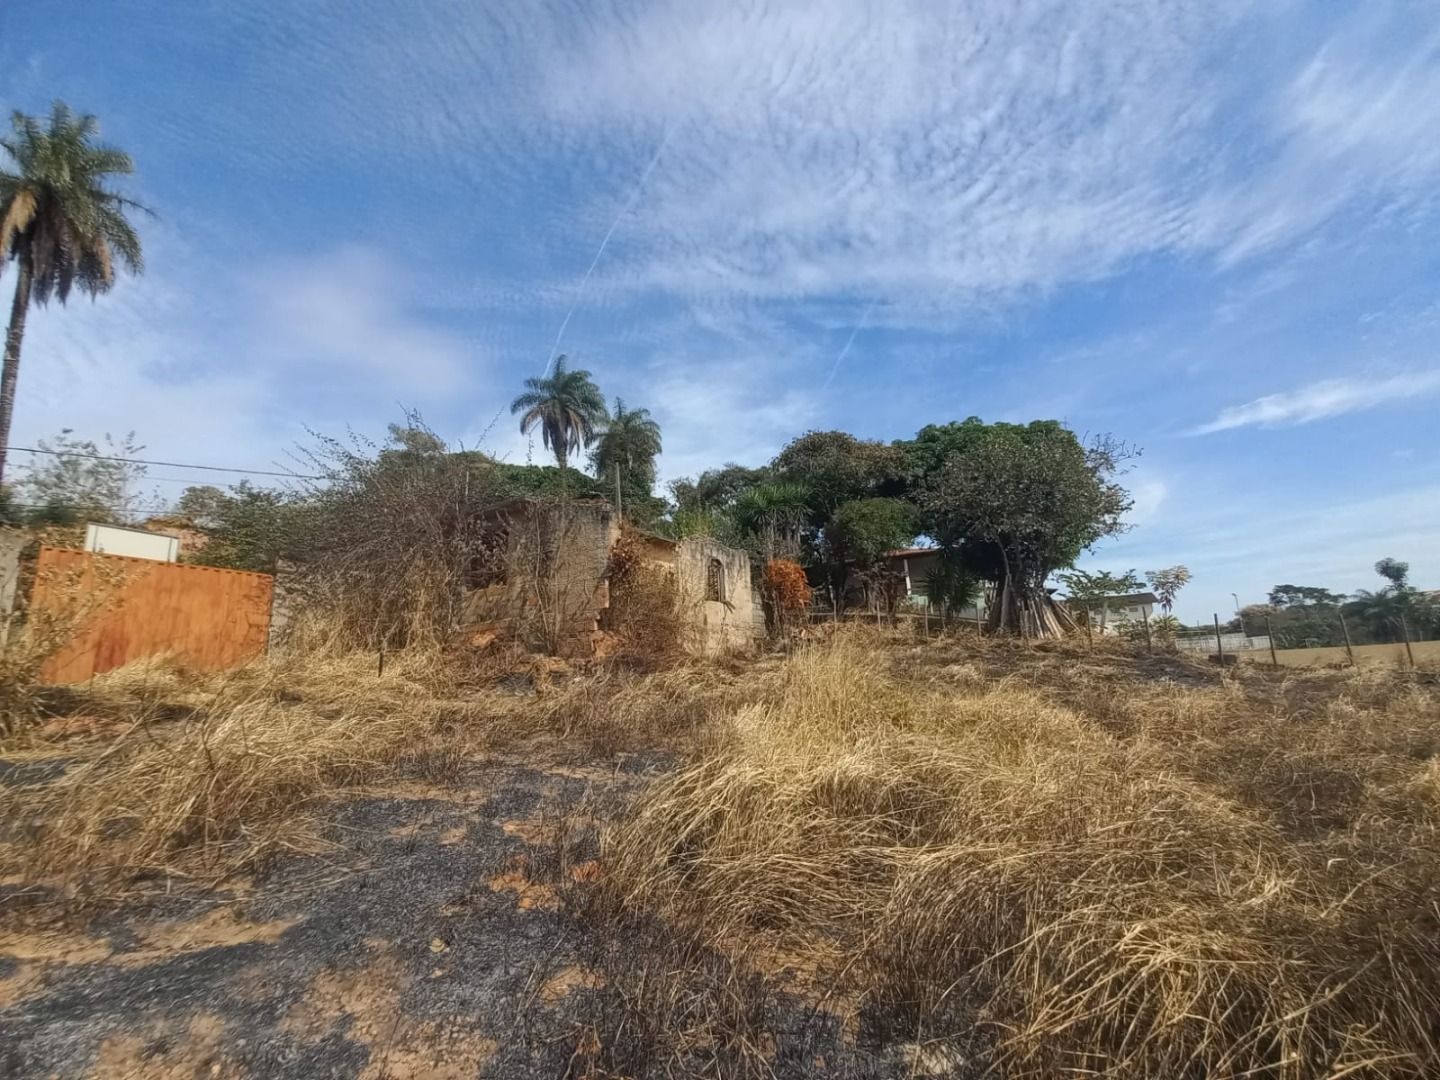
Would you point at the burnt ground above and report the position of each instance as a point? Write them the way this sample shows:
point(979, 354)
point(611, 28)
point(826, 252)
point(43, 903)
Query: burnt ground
point(438, 935)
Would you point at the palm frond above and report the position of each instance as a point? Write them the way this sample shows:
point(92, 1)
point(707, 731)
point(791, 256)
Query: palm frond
point(57, 212)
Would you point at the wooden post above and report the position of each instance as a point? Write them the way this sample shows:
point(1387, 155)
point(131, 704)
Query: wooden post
point(1270, 635)
point(1219, 644)
point(1405, 632)
point(1349, 649)
point(1145, 618)
point(1089, 634)
point(927, 618)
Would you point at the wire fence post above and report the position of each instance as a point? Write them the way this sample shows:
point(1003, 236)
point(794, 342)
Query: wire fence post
point(1145, 618)
point(1219, 645)
point(1270, 636)
point(1405, 633)
point(1349, 648)
point(1089, 635)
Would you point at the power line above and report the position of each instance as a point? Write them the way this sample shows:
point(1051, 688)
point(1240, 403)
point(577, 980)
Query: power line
point(167, 464)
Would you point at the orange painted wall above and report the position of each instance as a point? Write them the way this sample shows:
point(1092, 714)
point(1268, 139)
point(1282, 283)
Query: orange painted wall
point(208, 619)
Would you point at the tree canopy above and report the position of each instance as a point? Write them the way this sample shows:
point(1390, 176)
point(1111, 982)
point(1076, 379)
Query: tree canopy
point(835, 467)
point(1033, 493)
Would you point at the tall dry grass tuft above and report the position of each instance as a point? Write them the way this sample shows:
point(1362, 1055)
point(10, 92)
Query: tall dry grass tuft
point(1240, 881)
point(211, 773)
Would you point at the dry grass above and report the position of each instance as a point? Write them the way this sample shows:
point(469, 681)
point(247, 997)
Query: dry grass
point(1067, 862)
point(1103, 875)
point(178, 774)
point(210, 773)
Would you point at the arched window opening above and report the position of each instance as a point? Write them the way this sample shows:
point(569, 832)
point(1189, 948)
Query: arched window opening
point(715, 580)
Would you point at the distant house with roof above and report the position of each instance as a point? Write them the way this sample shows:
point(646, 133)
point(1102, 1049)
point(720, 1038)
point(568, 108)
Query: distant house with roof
point(1109, 611)
point(912, 568)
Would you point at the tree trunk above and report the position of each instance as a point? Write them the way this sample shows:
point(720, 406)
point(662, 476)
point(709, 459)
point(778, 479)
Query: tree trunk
point(11, 370)
point(1022, 606)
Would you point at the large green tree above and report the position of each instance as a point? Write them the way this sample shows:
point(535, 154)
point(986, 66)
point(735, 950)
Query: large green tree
point(626, 450)
point(60, 224)
point(858, 536)
point(566, 406)
point(835, 467)
point(1032, 494)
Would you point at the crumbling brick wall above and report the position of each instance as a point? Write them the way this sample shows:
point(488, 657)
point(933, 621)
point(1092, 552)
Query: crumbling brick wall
point(546, 582)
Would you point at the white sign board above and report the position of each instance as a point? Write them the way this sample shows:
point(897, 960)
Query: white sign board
point(134, 543)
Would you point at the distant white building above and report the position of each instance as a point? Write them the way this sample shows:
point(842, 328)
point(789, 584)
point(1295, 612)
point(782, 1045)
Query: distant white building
point(914, 566)
point(1108, 612)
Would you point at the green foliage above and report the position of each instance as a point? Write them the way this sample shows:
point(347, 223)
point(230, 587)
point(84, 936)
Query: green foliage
point(768, 518)
point(935, 446)
point(10, 513)
point(1083, 588)
point(1394, 571)
point(1167, 583)
point(1398, 608)
point(1282, 596)
point(952, 585)
point(715, 489)
point(1030, 492)
point(835, 467)
point(1164, 629)
point(566, 405)
point(862, 531)
point(249, 528)
point(536, 481)
point(202, 505)
point(75, 483)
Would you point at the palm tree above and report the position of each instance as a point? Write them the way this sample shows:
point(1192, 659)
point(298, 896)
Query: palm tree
point(567, 406)
point(59, 223)
point(628, 446)
point(773, 515)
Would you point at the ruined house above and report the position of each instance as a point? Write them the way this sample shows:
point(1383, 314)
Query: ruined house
point(543, 577)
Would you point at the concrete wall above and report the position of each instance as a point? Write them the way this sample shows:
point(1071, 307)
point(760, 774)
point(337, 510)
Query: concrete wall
point(731, 623)
point(12, 542)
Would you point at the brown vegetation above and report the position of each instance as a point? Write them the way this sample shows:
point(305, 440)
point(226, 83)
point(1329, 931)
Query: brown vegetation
point(1167, 877)
point(1044, 859)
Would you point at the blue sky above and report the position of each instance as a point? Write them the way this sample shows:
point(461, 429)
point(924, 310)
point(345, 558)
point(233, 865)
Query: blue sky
point(1211, 228)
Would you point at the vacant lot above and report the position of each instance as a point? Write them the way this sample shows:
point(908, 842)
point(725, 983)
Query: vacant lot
point(872, 858)
point(1426, 653)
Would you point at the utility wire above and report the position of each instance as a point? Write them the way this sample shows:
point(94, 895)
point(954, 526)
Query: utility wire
point(167, 464)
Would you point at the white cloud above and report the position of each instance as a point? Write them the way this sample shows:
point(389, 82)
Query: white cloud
point(1149, 496)
point(355, 310)
point(1319, 400)
point(233, 373)
point(713, 411)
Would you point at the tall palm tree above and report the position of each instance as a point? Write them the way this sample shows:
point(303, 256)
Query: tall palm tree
point(59, 223)
point(628, 446)
point(566, 405)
